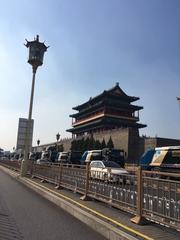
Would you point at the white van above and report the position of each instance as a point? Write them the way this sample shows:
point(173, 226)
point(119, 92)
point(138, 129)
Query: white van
point(91, 155)
point(63, 157)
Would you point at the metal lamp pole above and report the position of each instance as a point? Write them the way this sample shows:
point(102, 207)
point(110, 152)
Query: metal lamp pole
point(57, 137)
point(178, 99)
point(38, 142)
point(36, 54)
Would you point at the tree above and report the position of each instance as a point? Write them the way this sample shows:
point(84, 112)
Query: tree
point(103, 144)
point(110, 143)
point(91, 143)
point(84, 146)
point(97, 145)
point(60, 148)
point(81, 145)
point(73, 145)
point(78, 145)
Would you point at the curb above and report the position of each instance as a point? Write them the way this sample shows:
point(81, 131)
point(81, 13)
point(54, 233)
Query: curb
point(97, 224)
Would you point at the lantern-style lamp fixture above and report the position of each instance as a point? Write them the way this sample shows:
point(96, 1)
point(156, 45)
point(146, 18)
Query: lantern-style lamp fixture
point(57, 137)
point(38, 142)
point(36, 52)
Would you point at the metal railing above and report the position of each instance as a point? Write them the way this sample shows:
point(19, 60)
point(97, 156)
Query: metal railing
point(14, 165)
point(149, 195)
point(161, 198)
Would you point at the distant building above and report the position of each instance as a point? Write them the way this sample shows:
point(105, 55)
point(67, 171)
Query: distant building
point(21, 135)
point(110, 110)
point(112, 114)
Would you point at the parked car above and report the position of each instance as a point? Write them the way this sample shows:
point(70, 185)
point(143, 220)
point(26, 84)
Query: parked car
point(115, 155)
point(63, 157)
point(74, 157)
point(91, 155)
point(45, 158)
point(4, 155)
point(20, 157)
point(38, 155)
point(43, 162)
point(32, 156)
point(108, 171)
point(45, 155)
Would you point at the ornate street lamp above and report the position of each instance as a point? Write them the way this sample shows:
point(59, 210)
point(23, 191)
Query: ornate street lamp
point(36, 54)
point(38, 142)
point(57, 137)
point(178, 99)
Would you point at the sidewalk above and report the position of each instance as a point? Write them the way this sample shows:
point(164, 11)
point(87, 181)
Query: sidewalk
point(117, 224)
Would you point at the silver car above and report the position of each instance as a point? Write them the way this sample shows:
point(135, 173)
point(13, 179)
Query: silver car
point(43, 162)
point(107, 171)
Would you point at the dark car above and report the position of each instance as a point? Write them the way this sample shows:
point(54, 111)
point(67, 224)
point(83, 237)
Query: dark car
point(34, 156)
point(106, 154)
point(74, 157)
point(115, 155)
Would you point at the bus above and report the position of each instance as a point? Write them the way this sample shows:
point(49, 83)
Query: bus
point(164, 159)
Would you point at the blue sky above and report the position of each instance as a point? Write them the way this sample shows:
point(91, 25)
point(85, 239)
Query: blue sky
point(93, 45)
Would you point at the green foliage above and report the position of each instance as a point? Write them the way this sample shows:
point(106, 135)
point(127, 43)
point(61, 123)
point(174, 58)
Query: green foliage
point(103, 144)
point(60, 148)
point(110, 143)
point(91, 143)
point(78, 145)
point(73, 145)
point(85, 144)
point(97, 145)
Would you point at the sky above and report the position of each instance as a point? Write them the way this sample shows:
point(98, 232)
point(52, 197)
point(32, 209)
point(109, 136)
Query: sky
point(93, 45)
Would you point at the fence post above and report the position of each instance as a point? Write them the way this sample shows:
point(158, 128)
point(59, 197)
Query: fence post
point(139, 219)
point(44, 179)
point(60, 176)
point(85, 196)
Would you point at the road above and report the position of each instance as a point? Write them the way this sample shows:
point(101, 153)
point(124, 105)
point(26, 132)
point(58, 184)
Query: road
point(26, 215)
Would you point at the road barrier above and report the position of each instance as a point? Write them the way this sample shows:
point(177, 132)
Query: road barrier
point(149, 195)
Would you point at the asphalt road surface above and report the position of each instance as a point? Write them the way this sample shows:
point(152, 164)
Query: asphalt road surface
point(26, 215)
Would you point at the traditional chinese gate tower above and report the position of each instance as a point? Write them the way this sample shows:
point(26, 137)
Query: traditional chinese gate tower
point(110, 110)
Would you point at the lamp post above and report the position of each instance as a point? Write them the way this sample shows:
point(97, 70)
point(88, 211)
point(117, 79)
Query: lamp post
point(57, 137)
point(178, 99)
point(38, 142)
point(36, 54)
